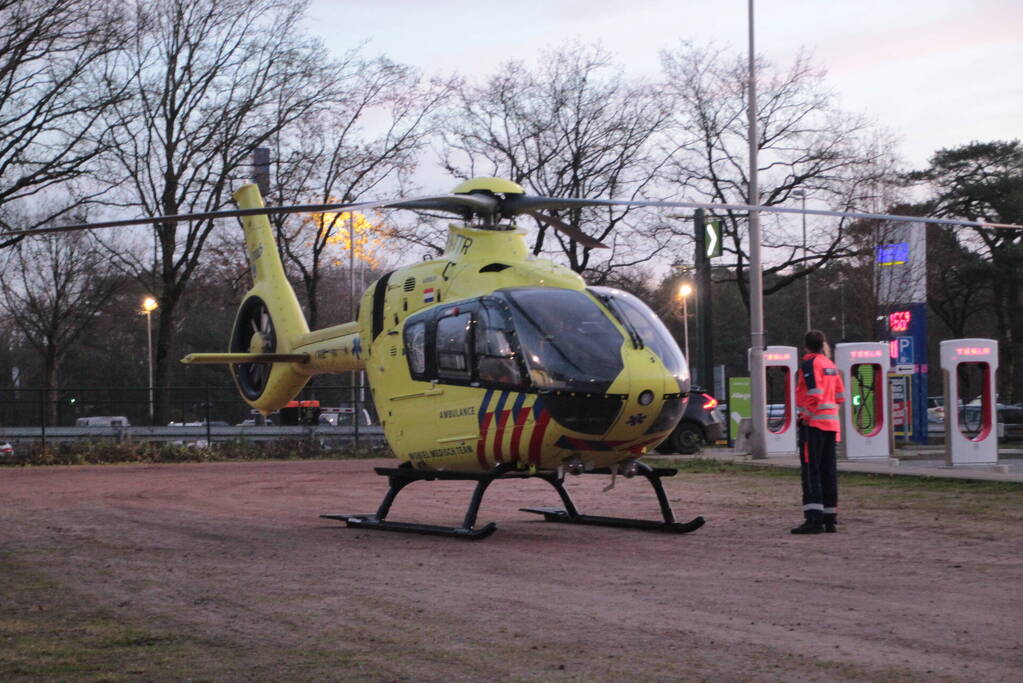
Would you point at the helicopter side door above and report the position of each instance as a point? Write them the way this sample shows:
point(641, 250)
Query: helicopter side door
point(467, 352)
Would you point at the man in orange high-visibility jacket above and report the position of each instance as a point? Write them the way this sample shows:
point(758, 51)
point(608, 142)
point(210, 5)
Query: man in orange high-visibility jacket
point(819, 390)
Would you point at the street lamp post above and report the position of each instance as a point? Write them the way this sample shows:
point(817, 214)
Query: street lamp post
point(758, 389)
point(149, 304)
point(801, 194)
point(683, 292)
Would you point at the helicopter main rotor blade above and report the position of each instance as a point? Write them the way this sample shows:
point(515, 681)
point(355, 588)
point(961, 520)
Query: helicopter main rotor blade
point(578, 235)
point(526, 204)
point(459, 204)
point(490, 206)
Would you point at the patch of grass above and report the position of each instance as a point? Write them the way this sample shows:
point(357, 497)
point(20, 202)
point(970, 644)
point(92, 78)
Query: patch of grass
point(901, 481)
point(48, 632)
point(713, 466)
point(111, 451)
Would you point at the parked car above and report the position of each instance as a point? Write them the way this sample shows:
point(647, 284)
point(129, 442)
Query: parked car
point(342, 417)
point(701, 423)
point(6, 450)
point(1011, 417)
point(103, 421)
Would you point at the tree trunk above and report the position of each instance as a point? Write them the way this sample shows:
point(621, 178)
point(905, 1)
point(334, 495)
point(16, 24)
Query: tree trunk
point(163, 350)
point(52, 364)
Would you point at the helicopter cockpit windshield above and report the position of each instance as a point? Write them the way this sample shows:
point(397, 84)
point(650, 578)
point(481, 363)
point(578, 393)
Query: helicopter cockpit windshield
point(568, 343)
point(541, 339)
point(637, 317)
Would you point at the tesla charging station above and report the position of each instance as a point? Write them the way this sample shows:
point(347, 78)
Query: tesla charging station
point(780, 366)
point(971, 433)
point(866, 413)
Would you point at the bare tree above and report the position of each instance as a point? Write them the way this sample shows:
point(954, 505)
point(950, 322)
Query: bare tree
point(367, 141)
point(52, 287)
point(805, 143)
point(210, 80)
point(573, 127)
point(54, 88)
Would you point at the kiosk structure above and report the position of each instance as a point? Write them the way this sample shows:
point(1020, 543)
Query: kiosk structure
point(780, 365)
point(866, 412)
point(971, 432)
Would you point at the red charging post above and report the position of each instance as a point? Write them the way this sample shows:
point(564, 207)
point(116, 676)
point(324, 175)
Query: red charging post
point(865, 412)
point(971, 421)
point(780, 366)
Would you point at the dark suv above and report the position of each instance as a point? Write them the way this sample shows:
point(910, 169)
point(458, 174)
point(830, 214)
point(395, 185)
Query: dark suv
point(700, 424)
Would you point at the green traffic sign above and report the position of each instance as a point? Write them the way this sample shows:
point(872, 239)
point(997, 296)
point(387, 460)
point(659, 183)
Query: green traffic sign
point(712, 238)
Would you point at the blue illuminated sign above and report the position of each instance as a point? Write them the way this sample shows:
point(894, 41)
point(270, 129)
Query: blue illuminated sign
point(893, 254)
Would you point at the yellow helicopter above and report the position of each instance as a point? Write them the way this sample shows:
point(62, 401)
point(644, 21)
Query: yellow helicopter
point(484, 364)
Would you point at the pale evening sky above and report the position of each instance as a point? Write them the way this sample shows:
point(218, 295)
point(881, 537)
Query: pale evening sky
point(936, 73)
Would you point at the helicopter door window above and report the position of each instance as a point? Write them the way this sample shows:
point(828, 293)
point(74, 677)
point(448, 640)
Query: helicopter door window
point(496, 360)
point(453, 346)
point(415, 349)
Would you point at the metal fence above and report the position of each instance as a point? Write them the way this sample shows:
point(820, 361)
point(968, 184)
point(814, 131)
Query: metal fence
point(201, 435)
point(32, 407)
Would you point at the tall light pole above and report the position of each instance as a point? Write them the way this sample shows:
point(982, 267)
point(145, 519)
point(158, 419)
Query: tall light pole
point(756, 276)
point(683, 293)
point(801, 194)
point(149, 304)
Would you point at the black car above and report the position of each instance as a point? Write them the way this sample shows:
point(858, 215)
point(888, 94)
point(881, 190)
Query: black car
point(701, 423)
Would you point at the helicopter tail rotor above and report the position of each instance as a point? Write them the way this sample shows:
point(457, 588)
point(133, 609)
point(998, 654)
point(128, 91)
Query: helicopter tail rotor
point(268, 319)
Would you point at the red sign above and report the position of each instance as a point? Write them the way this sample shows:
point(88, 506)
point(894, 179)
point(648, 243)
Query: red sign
point(902, 407)
point(777, 356)
point(898, 321)
point(973, 351)
point(866, 354)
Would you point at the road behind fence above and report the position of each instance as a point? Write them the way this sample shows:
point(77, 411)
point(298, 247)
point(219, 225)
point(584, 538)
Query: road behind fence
point(195, 415)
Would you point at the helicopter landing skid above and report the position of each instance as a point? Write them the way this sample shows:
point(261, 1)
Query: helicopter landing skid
point(570, 515)
point(400, 477)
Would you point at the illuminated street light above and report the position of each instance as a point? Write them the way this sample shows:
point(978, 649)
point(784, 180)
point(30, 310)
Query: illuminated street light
point(149, 304)
point(683, 293)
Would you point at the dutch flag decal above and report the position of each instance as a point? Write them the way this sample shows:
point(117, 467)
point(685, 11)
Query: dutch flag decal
point(429, 296)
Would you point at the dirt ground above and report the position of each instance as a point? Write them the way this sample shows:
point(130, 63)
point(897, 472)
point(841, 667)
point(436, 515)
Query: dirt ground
point(225, 571)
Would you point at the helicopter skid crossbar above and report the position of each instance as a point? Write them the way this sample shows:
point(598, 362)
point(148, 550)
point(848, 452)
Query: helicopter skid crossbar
point(400, 477)
point(570, 515)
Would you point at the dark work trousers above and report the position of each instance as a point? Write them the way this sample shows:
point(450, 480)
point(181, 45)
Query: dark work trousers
point(819, 473)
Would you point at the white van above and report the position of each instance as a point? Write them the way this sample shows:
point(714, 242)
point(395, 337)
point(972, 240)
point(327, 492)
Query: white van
point(103, 421)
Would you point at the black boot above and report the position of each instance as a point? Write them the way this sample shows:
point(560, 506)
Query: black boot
point(830, 523)
point(814, 524)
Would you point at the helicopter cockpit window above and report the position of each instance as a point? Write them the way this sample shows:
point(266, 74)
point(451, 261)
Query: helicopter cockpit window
point(496, 360)
point(415, 348)
point(453, 334)
point(637, 317)
point(568, 342)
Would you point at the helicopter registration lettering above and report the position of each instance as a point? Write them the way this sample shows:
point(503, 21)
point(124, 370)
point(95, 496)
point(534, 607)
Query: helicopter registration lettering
point(458, 244)
point(253, 257)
